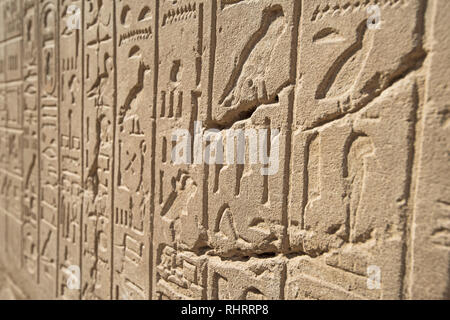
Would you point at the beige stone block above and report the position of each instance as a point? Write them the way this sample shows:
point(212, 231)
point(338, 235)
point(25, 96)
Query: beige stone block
point(224, 149)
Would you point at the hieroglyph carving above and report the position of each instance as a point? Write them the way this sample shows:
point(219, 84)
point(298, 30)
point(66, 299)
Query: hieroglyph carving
point(225, 149)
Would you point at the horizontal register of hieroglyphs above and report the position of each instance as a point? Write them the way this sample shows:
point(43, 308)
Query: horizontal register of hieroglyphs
point(356, 116)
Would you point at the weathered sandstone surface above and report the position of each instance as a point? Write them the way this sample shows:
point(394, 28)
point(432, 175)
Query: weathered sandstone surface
point(333, 117)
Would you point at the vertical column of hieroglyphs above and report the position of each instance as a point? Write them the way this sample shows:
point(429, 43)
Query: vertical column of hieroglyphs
point(355, 113)
point(180, 222)
point(430, 278)
point(252, 99)
point(135, 21)
point(3, 151)
point(99, 119)
point(71, 143)
point(11, 132)
point(30, 141)
point(48, 145)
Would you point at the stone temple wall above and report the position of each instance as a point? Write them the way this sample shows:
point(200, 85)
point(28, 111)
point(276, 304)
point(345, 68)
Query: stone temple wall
point(225, 149)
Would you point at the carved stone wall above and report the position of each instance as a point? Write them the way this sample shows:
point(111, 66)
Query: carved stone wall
point(353, 201)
